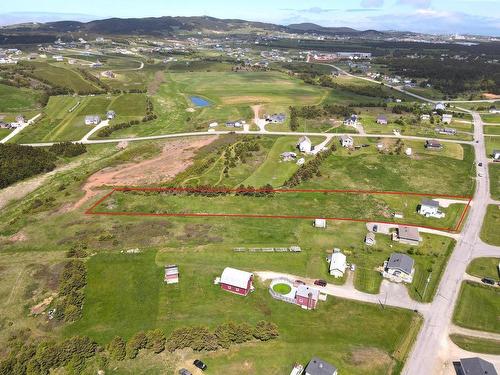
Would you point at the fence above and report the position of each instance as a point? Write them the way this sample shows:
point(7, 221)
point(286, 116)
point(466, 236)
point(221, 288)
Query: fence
point(291, 249)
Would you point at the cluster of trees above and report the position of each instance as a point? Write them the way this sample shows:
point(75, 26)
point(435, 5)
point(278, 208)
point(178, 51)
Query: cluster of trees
point(92, 78)
point(69, 303)
point(450, 76)
point(68, 149)
point(20, 162)
point(309, 169)
point(249, 191)
point(239, 153)
point(316, 111)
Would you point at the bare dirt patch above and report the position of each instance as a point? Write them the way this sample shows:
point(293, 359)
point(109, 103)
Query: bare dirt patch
point(488, 95)
point(155, 84)
point(369, 358)
point(175, 157)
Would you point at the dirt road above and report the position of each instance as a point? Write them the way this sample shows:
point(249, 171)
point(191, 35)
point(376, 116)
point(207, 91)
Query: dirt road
point(175, 157)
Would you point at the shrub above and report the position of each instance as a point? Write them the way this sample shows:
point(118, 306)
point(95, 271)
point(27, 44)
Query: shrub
point(116, 348)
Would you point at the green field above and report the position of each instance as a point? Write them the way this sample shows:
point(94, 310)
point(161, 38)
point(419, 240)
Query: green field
point(494, 169)
point(4, 133)
point(492, 129)
point(62, 77)
point(135, 283)
point(14, 99)
point(468, 315)
point(492, 143)
point(489, 232)
point(484, 267)
point(59, 124)
point(491, 118)
point(476, 345)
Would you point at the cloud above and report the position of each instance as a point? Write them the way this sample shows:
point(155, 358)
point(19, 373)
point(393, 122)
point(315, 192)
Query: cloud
point(372, 3)
point(416, 3)
point(316, 10)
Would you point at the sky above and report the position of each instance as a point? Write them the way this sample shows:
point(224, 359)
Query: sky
point(430, 16)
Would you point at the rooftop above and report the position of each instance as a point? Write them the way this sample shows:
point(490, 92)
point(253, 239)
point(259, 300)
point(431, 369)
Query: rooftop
point(477, 366)
point(319, 367)
point(401, 262)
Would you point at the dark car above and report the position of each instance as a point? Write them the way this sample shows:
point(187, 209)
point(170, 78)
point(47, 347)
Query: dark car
point(479, 164)
point(375, 229)
point(202, 366)
point(299, 282)
point(183, 371)
point(487, 280)
point(320, 282)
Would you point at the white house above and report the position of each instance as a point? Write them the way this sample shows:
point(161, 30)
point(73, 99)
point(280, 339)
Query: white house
point(320, 223)
point(425, 117)
point(399, 268)
point(446, 118)
point(370, 239)
point(110, 115)
point(92, 120)
point(494, 110)
point(351, 120)
point(440, 107)
point(346, 141)
point(304, 144)
point(430, 208)
point(382, 120)
point(338, 263)
point(496, 155)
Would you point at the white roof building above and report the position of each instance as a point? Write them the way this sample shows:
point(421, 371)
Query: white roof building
point(447, 118)
point(234, 277)
point(338, 264)
point(320, 223)
point(304, 144)
point(346, 141)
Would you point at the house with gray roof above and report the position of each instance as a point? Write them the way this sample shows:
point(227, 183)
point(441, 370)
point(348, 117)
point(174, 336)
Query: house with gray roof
point(407, 235)
point(476, 366)
point(399, 268)
point(319, 367)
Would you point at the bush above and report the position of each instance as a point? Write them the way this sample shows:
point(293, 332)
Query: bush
point(156, 341)
point(137, 342)
point(68, 149)
point(116, 348)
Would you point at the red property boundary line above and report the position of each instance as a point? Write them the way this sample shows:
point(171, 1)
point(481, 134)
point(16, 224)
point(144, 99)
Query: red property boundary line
point(456, 229)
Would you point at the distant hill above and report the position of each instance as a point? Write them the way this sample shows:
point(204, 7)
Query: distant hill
point(170, 25)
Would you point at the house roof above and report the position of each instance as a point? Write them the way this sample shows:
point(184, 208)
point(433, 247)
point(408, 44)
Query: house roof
point(346, 138)
point(401, 262)
point(338, 261)
point(496, 152)
point(92, 117)
point(234, 277)
point(408, 233)
point(477, 366)
point(304, 290)
point(370, 236)
point(433, 143)
point(319, 367)
point(304, 139)
point(382, 117)
point(429, 203)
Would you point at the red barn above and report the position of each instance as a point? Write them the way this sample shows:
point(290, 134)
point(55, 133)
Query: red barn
point(236, 281)
point(306, 297)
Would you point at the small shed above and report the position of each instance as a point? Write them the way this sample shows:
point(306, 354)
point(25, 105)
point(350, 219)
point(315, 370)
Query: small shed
point(370, 239)
point(307, 297)
point(338, 263)
point(320, 223)
point(319, 367)
point(171, 274)
point(236, 281)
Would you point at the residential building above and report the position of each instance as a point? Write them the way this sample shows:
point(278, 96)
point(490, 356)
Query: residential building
point(278, 118)
point(346, 141)
point(306, 297)
point(304, 144)
point(425, 117)
point(320, 223)
point(92, 120)
point(351, 120)
point(494, 110)
point(496, 155)
point(236, 281)
point(319, 367)
point(171, 274)
point(382, 120)
point(446, 118)
point(446, 131)
point(110, 115)
point(476, 366)
point(288, 156)
point(440, 106)
point(338, 263)
point(399, 268)
point(407, 235)
point(433, 145)
point(430, 208)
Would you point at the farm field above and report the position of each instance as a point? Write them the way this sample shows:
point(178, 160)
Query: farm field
point(167, 306)
point(14, 99)
point(469, 316)
point(284, 204)
point(64, 116)
point(494, 169)
point(484, 267)
point(489, 231)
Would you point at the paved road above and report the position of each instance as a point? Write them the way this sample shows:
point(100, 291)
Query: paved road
point(431, 352)
point(16, 131)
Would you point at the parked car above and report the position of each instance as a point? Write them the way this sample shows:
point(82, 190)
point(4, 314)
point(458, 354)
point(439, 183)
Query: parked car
point(320, 282)
point(353, 267)
point(479, 164)
point(201, 365)
point(183, 371)
point(375, 228)
point(299, 282)
point(487, 280)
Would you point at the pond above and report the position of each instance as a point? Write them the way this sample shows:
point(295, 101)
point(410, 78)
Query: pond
point(199, 102)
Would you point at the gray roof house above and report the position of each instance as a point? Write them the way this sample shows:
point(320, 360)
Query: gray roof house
point(319, 367)
point(399, 268)
point(408, 235)
point(476, 366)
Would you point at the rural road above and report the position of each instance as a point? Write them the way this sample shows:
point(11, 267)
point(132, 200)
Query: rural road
point(16, 131)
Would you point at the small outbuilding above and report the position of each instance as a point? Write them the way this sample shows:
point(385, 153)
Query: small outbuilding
point(447, 118)
point(338, 263)
point(319, 367)
point(433, 145)
point(496, 155)
point(110, 115)
point(370, 239)
point(172, 274)
point(236, 281)
point(320, 223)
point(306, 297)
point(382, 120)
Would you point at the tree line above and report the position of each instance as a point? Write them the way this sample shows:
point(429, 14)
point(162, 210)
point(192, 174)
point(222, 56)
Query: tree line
point(310, 169)
point(316, 111)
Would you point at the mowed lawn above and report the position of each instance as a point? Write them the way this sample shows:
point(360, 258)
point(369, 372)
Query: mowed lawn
point(126, 294)
point(468, 315)
point(489, 232)
point(484, 267)
point(495, 180)
point(13, 99)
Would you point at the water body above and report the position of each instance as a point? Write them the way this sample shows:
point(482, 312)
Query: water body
point(199, 102)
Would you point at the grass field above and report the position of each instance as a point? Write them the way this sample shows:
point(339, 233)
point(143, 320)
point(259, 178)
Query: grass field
point(14, 99)
point(494, 169)
point(4, 133)
point(476, 345)
point(491, 118)
point(62, 77)
point(59, 124)
point(468, 315)
point(196, 301)
point(489, 232)
point(492, 129)
point(484, 267)
point(492, 143)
